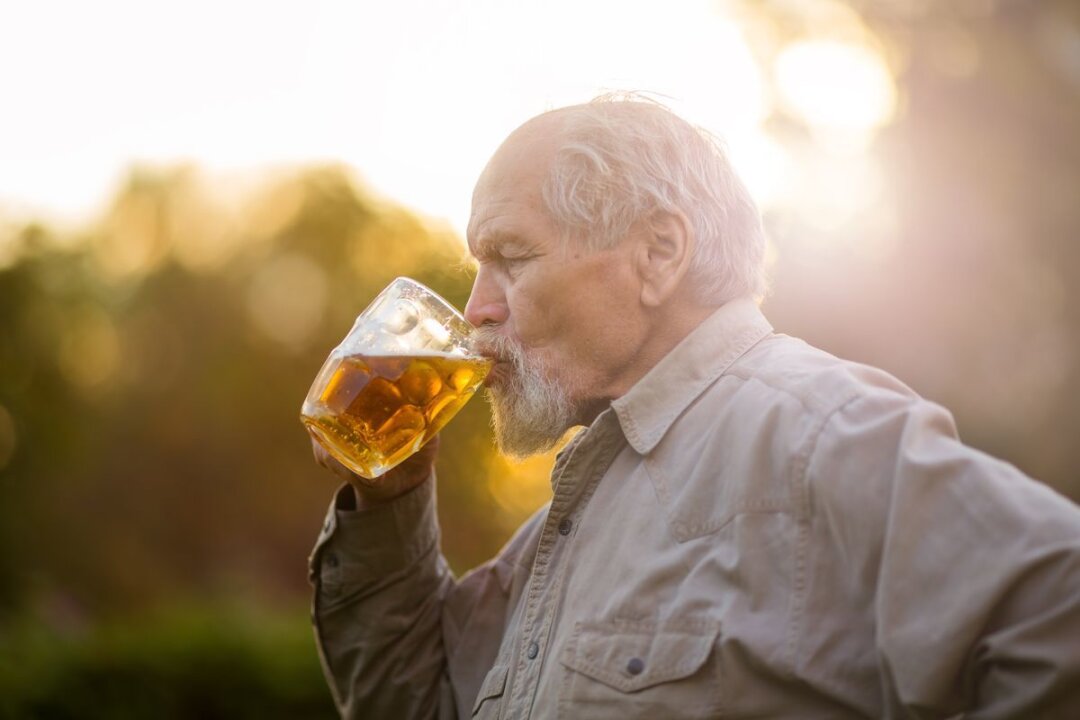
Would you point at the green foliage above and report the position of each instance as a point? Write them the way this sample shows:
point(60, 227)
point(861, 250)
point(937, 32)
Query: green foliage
point(154, 366)
point(204, 663)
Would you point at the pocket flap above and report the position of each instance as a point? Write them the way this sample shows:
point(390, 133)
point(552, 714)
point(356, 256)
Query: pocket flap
point(493, 686)
point(633, 655)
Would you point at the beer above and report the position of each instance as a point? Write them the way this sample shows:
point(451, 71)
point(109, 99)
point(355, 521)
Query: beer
point(376, 410)
point(404, 369)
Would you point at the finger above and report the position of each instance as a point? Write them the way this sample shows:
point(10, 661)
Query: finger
point(322, 457)
point(328, 461)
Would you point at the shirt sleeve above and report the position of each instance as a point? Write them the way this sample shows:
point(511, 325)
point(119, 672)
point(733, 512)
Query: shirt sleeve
point(398, 636)
point(975, 567)
point(379, 582)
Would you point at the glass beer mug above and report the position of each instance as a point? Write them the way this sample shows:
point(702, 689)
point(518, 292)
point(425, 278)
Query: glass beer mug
point(406, 367)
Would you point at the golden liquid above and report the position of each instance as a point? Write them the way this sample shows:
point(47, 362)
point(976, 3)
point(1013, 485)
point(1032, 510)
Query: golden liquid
point(375, 411)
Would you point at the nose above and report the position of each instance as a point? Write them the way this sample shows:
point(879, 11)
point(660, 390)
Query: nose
point(487, 303)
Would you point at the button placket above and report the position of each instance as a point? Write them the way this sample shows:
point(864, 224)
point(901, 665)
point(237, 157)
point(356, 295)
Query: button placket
point(574, 482)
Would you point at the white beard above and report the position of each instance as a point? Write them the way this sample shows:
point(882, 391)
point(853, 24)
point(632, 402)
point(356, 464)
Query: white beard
point(530, 412)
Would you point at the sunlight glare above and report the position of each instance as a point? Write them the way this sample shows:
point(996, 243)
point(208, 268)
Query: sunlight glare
point(836, 87)
point(449, 96)
point(413, 95)
point(764, 165)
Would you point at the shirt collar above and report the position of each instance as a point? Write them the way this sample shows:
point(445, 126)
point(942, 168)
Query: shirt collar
point(650, 407)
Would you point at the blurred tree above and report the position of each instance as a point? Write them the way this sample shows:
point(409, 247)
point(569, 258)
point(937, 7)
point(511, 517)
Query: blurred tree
point(154, 380)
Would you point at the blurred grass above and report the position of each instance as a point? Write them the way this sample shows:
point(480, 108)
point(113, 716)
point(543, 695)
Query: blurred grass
point(188, 662)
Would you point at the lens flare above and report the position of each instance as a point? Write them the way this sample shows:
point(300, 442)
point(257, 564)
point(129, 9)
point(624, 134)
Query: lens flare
point(836, 86)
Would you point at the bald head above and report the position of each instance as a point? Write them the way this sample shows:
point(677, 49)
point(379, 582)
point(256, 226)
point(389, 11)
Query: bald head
point(602, 166)
point(524, 158)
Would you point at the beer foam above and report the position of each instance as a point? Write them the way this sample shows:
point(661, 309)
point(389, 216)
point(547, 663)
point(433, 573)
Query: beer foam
point(454, 354)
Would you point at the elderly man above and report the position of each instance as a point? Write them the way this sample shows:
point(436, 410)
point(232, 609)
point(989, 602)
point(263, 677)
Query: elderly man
point(746, 527)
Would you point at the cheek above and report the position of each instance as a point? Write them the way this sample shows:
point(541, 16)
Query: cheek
point(609, 325)
point(572, 314)
point(524, 317)
point(535, 318)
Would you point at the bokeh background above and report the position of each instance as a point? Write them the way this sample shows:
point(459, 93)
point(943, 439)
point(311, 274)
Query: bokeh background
point(197, 198)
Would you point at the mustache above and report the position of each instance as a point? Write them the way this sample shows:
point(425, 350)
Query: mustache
point(488, 342)
point(525, 367)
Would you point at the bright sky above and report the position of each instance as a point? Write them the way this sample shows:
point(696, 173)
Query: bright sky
point(413, 94)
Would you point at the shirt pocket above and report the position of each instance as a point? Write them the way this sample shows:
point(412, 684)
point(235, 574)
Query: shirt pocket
point(488, 699)
point(640, 669)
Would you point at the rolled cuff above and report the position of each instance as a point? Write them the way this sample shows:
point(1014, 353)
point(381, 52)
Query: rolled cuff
point(357, 547)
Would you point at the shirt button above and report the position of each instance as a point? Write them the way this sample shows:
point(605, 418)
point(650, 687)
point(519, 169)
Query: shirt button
point(565, 526)
point(532, 651)
point(635, 666)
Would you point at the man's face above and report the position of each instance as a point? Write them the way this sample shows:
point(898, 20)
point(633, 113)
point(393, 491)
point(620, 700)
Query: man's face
point(559, 320)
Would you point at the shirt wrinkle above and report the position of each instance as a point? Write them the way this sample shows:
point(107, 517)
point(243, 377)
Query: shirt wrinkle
point(816, 514)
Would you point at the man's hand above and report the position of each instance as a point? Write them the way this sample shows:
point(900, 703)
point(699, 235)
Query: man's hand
point(390, 485)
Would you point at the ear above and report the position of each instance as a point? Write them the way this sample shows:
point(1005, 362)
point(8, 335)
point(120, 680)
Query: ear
point(664, 255)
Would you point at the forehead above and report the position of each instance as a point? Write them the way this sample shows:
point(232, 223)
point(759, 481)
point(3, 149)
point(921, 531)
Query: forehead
point(508, 203)
point(509, 226)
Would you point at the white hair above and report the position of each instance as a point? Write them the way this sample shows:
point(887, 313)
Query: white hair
point(622, 158)
point(530, 409)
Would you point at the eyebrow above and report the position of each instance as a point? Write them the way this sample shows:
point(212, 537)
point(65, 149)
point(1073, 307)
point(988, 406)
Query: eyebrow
point(491, 243)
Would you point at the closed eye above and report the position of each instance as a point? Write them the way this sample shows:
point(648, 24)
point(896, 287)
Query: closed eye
point(512, 264)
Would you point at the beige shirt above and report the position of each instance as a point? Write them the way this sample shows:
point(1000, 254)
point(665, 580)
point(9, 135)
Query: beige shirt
point(757, 529)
